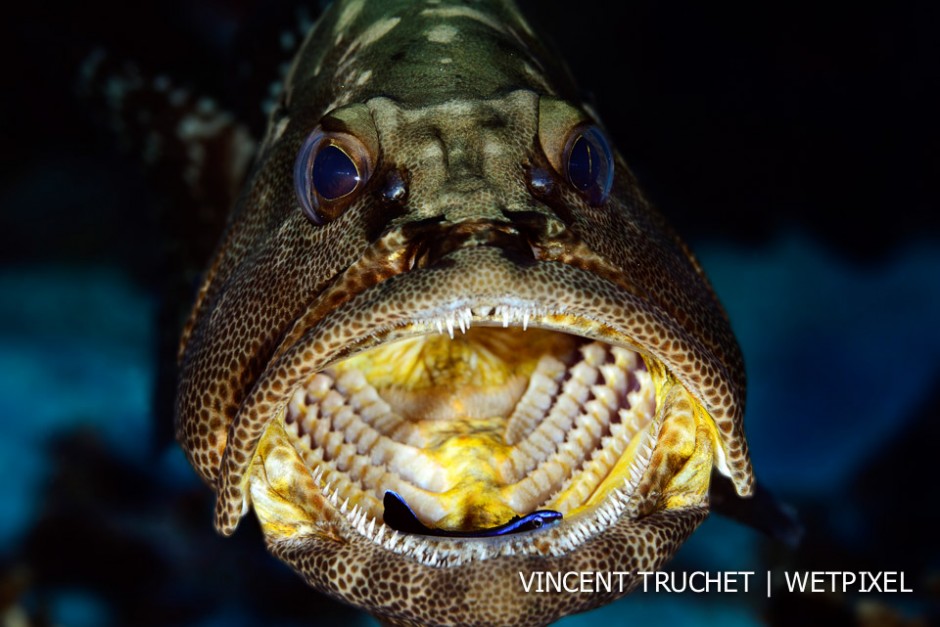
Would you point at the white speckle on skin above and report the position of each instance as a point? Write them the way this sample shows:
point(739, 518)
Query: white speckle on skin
point(377, 31)
point(364, 77)
point(350, 12)
point(492, 148)
point(473, 14)
point(432, 152)
point(442, 34)
point(280, 128)
point(344, 98)
point(446, 60)
point(458, 107)
point(521, 19)
point(537, 76)
point(368, 37)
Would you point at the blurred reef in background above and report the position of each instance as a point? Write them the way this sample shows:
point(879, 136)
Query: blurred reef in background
point(794, 146)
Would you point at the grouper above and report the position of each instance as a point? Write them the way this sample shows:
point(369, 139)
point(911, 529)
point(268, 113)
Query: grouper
point(445, 341)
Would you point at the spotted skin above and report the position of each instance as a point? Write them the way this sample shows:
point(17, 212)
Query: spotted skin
point(464, 118)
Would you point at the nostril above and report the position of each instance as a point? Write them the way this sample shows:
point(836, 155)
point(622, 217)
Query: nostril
point(541, 182)
point(429, 247)
point(395, 190)
point(419, 256)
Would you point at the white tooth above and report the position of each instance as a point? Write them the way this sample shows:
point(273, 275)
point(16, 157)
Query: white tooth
point(440, 326)
point(635, 474)
point(450, 327)
point(462, 324)
point(342, 508)
point(525, 319)
point(483, 311)
point(506, 317)
point(371, 527)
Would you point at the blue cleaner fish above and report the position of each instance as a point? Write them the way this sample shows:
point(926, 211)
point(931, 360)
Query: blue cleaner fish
point(445, 341)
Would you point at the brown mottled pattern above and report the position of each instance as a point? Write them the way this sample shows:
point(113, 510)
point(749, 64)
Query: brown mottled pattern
point(456, 113)
point(402, 591)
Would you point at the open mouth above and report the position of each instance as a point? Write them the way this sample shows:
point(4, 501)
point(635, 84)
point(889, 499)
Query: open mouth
point(488, 416)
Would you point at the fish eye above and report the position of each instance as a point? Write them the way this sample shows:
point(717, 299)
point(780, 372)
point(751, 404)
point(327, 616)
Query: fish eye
point(330, 168)
point(590, 163)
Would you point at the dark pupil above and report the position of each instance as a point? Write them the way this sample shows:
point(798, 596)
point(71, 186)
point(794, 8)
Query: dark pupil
point(583, 164)
point(334, 173)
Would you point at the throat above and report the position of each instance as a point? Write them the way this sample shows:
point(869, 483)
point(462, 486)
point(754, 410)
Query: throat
point(479, 430)
point(478, 376)
point(459, 398)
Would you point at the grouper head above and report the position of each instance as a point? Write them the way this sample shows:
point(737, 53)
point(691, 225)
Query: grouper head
point(442, 283)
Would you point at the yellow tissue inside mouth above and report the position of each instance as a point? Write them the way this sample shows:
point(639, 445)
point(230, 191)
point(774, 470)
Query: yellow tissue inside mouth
point(495, 423)
point(483, 358)
point(459, 393)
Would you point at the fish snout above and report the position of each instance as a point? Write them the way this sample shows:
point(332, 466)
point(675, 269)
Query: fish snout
point(520, 238)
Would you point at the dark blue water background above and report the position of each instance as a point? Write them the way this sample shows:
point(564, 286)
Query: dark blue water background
point(792, 146)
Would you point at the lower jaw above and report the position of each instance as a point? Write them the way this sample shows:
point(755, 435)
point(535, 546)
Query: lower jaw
point(616, 438)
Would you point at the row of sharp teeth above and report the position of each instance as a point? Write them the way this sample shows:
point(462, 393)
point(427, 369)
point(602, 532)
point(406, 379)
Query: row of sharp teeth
point(461, 317)
point(617, 503)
